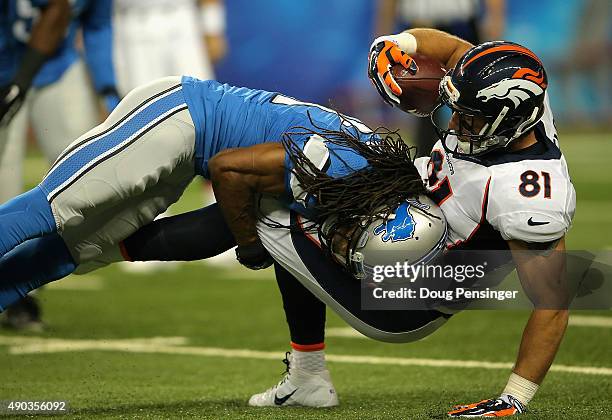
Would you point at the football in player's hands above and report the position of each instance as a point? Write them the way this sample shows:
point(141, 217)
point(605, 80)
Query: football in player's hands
point(420, 92)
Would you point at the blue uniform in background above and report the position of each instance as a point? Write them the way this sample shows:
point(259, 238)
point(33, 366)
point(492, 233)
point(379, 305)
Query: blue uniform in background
point(93, 17)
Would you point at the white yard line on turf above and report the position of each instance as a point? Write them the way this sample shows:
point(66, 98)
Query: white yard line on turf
point(174, 345)
point(86, 282)
point(590, 321)
point(574, 321)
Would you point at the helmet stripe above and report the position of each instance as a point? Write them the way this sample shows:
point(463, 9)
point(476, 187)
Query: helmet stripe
point(515, 48)
point(529, 74)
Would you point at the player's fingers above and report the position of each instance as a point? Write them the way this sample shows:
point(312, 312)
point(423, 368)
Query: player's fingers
point(391, 96)
point(390, 81)
point(386, 56)
point(397, 55)
point(412, 66)
point(404, 59)
point(383, 67)
point(372, 58)
point(378, 71)
point(382, 63)
point(384, 91)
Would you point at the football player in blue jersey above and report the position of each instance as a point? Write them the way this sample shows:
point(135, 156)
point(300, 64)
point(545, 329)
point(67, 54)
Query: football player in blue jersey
point(38, 46)
point(17, 71)
point(44, 82)
point(38, 39)
point(119, 176)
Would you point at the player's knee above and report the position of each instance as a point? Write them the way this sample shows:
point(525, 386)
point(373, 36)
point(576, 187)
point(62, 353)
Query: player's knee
point(217, 164)
point(24, 217)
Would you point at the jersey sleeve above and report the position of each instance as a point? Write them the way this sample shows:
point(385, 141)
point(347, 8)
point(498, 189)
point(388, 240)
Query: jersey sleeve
point(533, 201)
point(421, 164)
point(98, 42)
point(334, 160)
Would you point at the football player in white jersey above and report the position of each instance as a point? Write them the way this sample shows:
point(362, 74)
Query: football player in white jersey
point(499, 177)
point(501, 181)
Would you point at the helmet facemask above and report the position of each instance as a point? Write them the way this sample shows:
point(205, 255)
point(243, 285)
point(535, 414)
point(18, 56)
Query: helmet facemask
point(469, 142)
point(340, 242)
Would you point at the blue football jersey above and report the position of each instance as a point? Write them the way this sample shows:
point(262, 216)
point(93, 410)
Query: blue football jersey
point(229, 117)
point(92, 16)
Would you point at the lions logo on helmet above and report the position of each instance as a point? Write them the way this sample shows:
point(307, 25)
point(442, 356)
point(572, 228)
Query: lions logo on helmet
point(385, 241)
point(399, 227)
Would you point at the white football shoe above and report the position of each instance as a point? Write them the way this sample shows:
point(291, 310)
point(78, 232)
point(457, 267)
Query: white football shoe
point(299, 388)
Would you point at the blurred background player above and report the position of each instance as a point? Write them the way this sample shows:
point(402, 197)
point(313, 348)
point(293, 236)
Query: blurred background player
point(157, 38)
point(475, 21)
point(46, 83)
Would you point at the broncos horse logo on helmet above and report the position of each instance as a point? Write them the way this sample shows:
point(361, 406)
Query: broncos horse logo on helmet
point(516, 91)
point(502, 83)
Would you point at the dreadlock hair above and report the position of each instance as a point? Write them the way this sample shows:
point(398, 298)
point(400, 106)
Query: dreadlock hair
point(389, 178)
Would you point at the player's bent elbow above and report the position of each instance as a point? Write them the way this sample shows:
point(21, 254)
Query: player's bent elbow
point(218, 165)
point(223, 172)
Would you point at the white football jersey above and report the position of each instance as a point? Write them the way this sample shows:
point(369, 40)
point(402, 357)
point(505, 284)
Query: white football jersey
point(525, 195)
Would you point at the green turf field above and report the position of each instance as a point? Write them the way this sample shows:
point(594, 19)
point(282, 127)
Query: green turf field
point(169, 345)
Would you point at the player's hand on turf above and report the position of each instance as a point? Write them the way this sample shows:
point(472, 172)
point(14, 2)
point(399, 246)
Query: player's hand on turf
point(384, 53)
point(254, 256)
point(500, 407)
point(11, 99)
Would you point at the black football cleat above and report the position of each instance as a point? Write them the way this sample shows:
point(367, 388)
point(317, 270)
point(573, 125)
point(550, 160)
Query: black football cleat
point(24, 315)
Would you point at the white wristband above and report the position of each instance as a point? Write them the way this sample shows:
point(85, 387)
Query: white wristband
point(406, 42)
point(520, 388)
point(212, 18)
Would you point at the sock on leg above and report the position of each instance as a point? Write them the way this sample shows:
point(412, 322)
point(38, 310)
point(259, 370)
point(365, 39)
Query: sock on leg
point(310, 358)
point(305, 313)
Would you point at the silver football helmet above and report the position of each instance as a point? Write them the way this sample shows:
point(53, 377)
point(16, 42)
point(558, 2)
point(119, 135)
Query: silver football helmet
point(415, 233)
